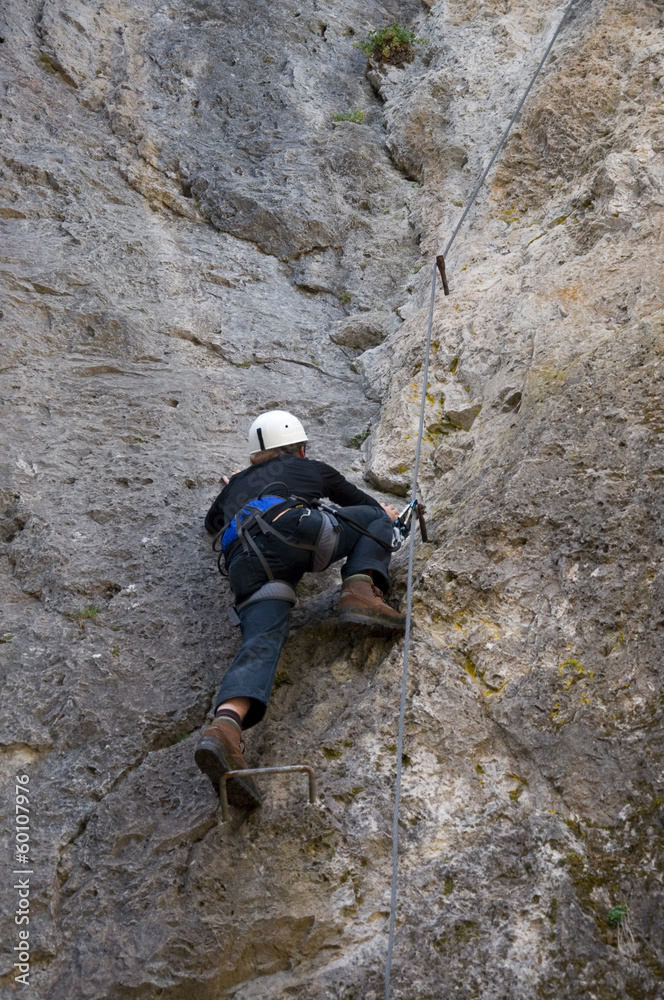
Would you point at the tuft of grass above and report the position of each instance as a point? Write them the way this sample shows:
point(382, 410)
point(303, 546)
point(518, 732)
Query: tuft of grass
point(6, 637)
point(344, 298)
point(617, 914)
point(357, 439)
point(115, 651)
point(47, 62)
point(81, 613)
point(393, 45)
point(356, 116)
point(282, 677)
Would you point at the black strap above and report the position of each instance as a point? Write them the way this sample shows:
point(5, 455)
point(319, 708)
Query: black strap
point(267, 529)
point(263, 560)
point(321, 505)
point(268, 488)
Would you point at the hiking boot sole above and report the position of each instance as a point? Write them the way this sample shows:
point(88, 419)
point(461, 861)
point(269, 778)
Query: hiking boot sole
point(210, 759)
point(366, 618)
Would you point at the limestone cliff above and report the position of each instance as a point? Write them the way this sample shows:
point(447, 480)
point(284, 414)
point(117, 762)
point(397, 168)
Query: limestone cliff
point(190, 235)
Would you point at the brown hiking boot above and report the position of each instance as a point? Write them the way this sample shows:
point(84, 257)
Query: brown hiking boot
point(220, 749)
point(361, 602)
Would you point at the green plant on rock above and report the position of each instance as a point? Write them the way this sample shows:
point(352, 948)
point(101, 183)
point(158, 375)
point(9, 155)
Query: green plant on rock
point(393, 45)
point(47, 62)
point(356, 116)
point(617, 914)
point(282, 677)
point(358, 439)
point(90, 612)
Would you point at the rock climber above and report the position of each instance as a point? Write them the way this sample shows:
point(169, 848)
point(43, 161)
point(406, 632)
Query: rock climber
point(271, 534)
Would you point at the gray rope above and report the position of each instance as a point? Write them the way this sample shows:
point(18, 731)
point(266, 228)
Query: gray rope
point(416, 469)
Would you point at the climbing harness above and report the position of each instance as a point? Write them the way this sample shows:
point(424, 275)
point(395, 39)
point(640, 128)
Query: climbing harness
point(438, 267)
point(273, 590)
point(262, 512)
point(230, 533)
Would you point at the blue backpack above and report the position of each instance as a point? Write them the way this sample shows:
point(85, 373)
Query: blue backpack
point(263, 504)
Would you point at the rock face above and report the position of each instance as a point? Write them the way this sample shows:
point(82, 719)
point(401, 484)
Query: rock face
point(190, 237)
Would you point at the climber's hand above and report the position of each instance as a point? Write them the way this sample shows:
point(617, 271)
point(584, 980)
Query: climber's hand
point(391, 511)
point(226, 480)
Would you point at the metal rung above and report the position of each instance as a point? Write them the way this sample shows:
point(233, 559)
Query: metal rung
point(225, 814)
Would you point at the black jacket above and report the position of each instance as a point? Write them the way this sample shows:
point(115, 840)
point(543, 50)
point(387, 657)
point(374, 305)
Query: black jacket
point(285, 475)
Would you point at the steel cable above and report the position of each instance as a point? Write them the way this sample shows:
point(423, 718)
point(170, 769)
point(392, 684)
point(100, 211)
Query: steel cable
point(416, 469)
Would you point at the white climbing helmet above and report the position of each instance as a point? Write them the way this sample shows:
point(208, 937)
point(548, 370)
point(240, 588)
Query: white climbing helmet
point(275, 429)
